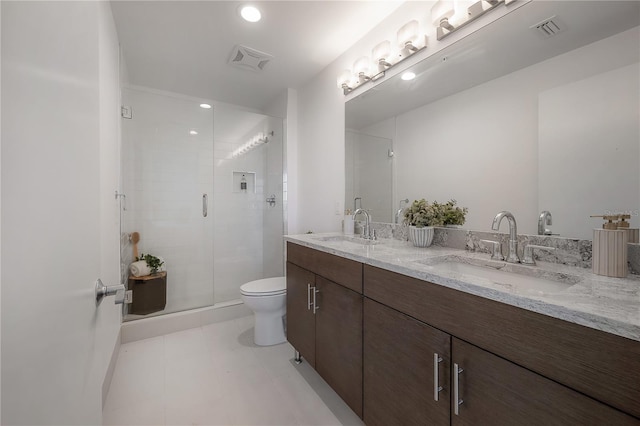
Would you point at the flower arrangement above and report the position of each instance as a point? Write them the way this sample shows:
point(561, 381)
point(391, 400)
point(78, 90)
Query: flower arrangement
point(451, 214)
point(421, 213)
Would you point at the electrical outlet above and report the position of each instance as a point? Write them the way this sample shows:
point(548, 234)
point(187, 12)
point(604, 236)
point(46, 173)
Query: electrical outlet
point(337, 210)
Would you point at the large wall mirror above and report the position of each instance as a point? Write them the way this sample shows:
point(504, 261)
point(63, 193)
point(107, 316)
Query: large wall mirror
point(506, 119)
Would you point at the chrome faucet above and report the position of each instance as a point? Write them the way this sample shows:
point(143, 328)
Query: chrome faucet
point(544, 220)
point(355, 203)
point(366, 233)
point(512, 257)
point(401, 209)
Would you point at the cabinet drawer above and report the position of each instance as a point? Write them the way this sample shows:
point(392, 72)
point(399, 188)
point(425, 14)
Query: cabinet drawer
point(598, 364)
point(345, 272)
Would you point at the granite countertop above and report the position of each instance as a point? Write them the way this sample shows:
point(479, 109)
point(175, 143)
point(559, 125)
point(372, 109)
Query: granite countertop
point(573, 294)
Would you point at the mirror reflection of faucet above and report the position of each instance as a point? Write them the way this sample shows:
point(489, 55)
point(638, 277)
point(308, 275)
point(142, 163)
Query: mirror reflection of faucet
point(545, 220)
point(401, 209)
point(355, 203)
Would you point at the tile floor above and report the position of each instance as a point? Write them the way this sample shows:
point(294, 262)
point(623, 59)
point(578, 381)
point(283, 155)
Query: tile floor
point(216, 375)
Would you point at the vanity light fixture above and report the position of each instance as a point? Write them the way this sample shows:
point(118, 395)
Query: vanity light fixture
point(344, 81)
point(449, 17)
point(250, 13)
point(193, 132)
point(362, 69)
point(205, 106)
point(381, 54)
point(408, 36)
point(365, 70)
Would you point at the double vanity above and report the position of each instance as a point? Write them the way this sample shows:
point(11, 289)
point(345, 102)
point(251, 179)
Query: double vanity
point(439, 336)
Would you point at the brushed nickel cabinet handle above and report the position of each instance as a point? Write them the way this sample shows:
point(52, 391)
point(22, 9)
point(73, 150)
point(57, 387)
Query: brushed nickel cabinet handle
point(436, 376)
point(315, 302)
point(456, 389)
point(309, 303)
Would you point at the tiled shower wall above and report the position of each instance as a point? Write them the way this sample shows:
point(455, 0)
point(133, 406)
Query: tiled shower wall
point(247, 231)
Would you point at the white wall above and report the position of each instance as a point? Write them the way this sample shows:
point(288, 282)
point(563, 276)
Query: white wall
point(59, 80)
point(589, 158)
point(0, 212)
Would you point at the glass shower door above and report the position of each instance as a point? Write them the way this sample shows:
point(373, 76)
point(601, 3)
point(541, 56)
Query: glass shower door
point(167, 178)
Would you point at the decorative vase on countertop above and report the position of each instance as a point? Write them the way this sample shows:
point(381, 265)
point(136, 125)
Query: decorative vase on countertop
point(421, 237)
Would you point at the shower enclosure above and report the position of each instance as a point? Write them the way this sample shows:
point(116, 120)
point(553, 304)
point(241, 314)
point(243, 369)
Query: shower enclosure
point(203, 187)
point(369, 175)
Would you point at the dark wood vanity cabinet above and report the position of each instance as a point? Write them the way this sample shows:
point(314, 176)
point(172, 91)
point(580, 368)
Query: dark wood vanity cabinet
point(389, 345)
point(327, 333)
point(513, 364)
point(406, 369)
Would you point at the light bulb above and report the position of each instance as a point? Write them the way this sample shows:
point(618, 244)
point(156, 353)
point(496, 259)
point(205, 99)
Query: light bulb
point(408, 33)
point(344, 78)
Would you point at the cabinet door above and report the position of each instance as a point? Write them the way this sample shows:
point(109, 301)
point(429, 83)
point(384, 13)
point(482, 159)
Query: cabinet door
point(339, 341)
point(301, 331)
point(495, 391)
point(399, 373)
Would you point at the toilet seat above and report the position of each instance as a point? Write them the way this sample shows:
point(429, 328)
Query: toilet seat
point(265, 287)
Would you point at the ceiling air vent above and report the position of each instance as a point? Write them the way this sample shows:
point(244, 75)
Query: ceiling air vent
point(249, 59)
point(549, 27)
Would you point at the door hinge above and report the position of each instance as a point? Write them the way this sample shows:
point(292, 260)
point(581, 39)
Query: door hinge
point(128, 297)
point(126, 112)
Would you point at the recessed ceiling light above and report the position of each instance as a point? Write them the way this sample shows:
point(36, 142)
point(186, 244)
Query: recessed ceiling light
point(193, 132)
point(408, 76)
point(250, 13)
point(205, 106)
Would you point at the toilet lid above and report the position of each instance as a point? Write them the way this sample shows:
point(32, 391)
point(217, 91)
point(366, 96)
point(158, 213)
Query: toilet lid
point(265, 287)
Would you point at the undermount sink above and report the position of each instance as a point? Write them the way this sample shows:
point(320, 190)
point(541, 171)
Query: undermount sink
point(517, 279)
point(349, 239)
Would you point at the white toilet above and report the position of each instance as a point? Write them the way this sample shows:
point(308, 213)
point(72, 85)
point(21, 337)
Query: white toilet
point(267, 298)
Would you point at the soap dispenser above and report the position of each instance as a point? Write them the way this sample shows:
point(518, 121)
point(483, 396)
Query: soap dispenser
point(609, 250)
point(243, 184)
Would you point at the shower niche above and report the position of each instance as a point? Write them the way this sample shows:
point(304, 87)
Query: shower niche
point(244, 182)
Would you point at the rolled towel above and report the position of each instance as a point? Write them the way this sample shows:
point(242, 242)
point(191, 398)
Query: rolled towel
point(140, 269)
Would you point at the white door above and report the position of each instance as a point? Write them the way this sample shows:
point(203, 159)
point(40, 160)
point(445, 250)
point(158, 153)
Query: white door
point(59, 220)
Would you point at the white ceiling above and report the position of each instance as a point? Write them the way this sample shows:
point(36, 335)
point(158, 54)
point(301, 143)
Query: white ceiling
point(184, 46)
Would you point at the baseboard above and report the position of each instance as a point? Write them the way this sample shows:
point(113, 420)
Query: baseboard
point(164, 324)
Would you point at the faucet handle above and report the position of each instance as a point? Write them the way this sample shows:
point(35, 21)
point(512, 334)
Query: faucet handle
point(528, 253)
point(496, 249)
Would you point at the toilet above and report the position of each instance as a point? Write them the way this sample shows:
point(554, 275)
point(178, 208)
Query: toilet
point(267, 299)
